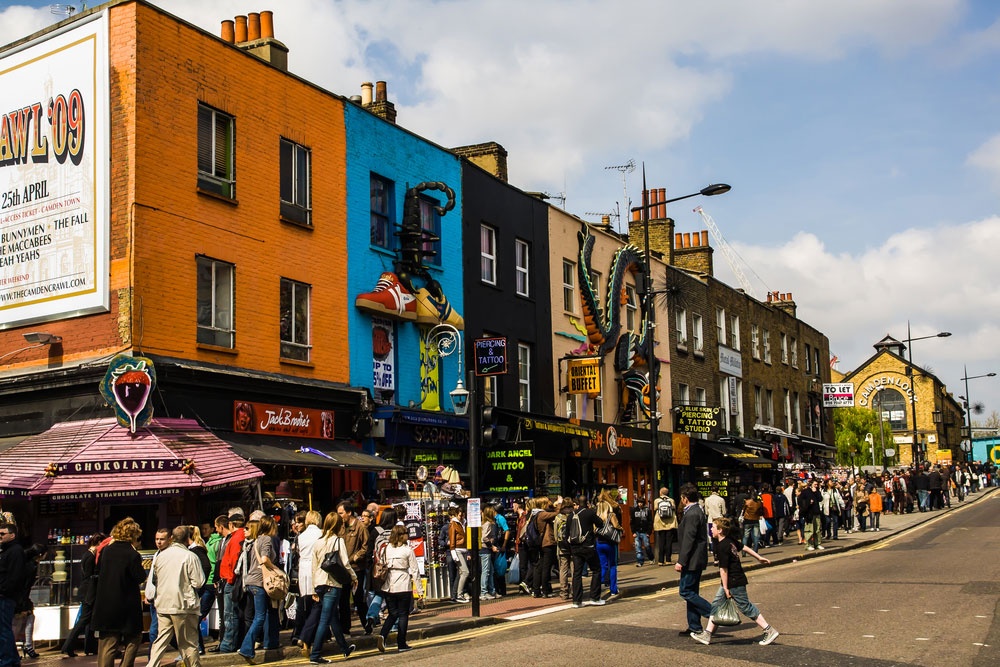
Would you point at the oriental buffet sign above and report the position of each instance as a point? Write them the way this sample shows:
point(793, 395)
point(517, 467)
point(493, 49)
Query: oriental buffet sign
point(282, 420)
point(118, 465)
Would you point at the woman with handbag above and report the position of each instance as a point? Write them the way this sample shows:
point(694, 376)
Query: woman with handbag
point(608, 538)
point(329, 557)
point(487, 549)
point(733, 585)
point(399, 587)
point(260, 554)
point(460, 554)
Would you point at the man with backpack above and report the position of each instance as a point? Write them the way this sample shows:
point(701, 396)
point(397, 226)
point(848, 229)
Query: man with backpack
point(642, 524)
point(664, 527)
point(581, 532)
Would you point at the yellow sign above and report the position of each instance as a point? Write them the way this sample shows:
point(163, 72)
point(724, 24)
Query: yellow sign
point(585, 376)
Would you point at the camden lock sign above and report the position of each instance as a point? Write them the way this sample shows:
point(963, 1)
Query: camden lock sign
point(697, 418)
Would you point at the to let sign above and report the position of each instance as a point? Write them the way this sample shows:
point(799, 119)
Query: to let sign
point(838, 395)
point(491, 356)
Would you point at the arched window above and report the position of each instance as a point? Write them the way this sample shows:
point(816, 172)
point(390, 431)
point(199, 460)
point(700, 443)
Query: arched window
point(893, 407)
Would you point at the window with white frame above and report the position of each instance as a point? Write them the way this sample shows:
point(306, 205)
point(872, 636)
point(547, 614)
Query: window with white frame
point(724, 416)
point(216, 150)
point(522, 258)
point(757, 402)
point(784, 348)
point(631, 308)
point(296, 202)
point(599, 399)
point(816, 369)
point(766, 339)
point(490, 390)
point(808, 358)
point(683, 394)
point(769, 407)
point(524, 376)
point(571, 412)
point(488, 254)
point(681, 325)
point(734, 332)
point(294, 319)
point(793, 350)
point(216, 299)
point(697, 334)
point(569, 286)
point(700, 396)
point(755, 341)
point(788, 411)
point(797, 411)
point(720, 326)
point(380, 196)
point(595, 286)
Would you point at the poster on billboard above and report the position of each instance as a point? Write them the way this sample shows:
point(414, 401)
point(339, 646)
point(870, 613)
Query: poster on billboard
point(54, 138)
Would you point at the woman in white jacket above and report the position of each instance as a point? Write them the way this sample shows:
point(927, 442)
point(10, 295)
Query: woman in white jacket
point(304, 542)
point(328, 590)
point(398, 587)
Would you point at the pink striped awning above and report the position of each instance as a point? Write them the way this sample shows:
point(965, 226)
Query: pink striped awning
point(100, 460)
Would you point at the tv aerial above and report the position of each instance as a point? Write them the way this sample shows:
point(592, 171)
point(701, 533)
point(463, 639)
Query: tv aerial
point(625, 170)
point(63, 10)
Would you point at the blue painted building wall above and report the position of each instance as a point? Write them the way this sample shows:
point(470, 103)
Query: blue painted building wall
point(377, 146)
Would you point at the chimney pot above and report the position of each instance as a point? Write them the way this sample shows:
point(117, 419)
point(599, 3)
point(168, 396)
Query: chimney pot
point(606, 220)
point(366, 93)
point(678, 240)
point(229, 31)
point(704, 237)
point(636, 216)
point(661, 197)
point(380, 94)
point(687, 239)
point(241, 29)
point(253, 26)
point(267, 24)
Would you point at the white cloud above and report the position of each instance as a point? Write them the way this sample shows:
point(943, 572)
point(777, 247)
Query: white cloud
point(938, 279)
point(987, 158)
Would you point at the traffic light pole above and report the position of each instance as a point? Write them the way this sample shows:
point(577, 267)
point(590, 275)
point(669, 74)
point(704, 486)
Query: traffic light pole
point(475, 433)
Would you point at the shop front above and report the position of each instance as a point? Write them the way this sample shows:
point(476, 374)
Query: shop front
point(80, 478)
point(724, 467)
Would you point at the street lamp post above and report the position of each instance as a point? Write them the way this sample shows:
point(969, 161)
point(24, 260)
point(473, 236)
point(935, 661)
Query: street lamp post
point(968, 406)
point(654, 365)
point(913, 386)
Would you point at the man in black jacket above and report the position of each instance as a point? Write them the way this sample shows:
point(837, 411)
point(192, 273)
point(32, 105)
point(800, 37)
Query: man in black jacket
point(692, 557)
point(11, 584)
point(811, 514)
point(642, 525)
point(586, 553)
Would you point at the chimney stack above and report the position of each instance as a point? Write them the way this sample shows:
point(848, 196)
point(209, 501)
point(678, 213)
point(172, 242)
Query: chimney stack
point(381, 106)
point(661, 228)
point(254, 33)
point(692, 252)
point(491, 157)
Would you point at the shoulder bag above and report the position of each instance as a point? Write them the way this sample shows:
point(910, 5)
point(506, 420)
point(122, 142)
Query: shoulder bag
point(339, 571)
point(609, 531)
point(275, 580)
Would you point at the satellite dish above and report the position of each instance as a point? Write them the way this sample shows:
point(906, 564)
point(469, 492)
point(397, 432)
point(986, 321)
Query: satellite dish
point(422, 473)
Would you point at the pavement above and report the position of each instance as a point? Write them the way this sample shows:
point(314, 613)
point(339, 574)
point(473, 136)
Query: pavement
point(440, 618)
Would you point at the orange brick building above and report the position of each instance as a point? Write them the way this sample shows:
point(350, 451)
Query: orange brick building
point(222, 207)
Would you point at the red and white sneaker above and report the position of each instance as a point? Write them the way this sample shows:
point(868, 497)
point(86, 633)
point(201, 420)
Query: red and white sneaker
point(389, 297)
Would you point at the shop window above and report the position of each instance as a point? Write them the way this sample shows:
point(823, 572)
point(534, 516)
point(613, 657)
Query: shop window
point(216, 148)
point(216, 288)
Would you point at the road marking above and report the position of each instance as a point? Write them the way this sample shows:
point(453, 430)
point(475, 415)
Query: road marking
point(834, 607)
point(883, 610)
point(930, 613)
point(923, 639)
point(538, 612)
point(981, 616)
point(868, 636)
point(816, 632)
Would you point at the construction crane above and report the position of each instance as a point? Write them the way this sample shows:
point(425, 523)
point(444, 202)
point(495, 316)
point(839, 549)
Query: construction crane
point(736, 263)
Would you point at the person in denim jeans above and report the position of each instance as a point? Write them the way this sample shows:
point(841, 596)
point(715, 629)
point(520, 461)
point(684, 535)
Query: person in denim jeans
point(260, 553)
point(386, 522)
point(642, 524)
point(229, 567)
point(328, 592)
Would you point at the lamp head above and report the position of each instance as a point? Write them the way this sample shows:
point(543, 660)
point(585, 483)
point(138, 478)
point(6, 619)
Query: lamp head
point(460, 398)
point(944, 334)
point(42, 338)
point(715, 189)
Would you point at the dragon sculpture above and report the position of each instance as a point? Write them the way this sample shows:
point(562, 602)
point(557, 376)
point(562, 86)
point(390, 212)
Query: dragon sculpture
point(633, 351)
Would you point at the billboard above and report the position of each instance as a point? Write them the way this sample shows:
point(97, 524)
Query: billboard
point(54, 147)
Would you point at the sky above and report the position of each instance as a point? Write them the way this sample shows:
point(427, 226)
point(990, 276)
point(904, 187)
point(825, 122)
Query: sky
point(861, 138)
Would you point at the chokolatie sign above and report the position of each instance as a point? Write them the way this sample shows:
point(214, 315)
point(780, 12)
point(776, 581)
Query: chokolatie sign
point(697, 418)
point(509, 469)
point(118, 465)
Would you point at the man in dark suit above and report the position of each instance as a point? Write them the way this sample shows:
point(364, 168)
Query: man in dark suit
point(692, 557)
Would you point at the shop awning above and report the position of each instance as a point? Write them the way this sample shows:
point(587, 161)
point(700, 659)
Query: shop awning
point(306, 452)
point(735, 453)
point(817, 444)
point(749, 443)
point(100, 460)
